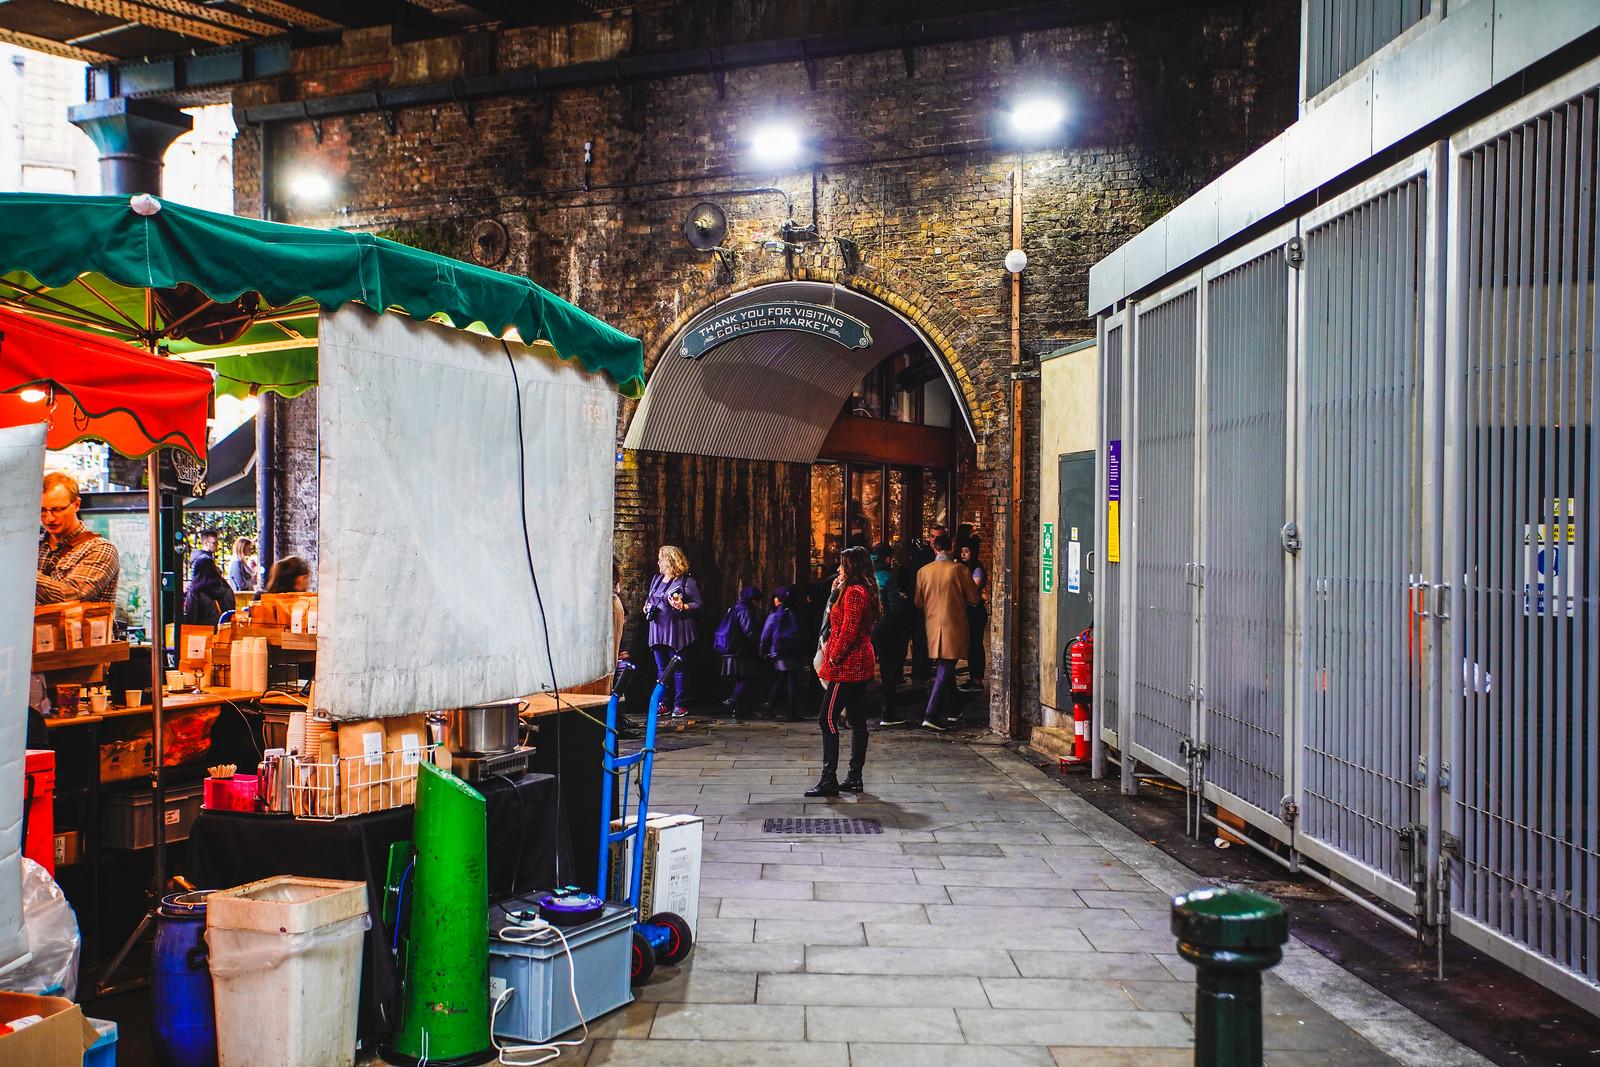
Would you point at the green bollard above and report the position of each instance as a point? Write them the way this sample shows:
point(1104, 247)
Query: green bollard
point(445, 980)
point(1231, 936)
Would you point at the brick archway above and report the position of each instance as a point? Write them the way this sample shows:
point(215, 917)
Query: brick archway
point(945, 330)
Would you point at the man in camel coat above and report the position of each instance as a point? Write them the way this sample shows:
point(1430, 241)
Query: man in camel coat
point(944, 589)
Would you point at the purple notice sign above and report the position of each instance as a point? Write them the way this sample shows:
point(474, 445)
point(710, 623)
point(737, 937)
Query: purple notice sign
point(1114, 470)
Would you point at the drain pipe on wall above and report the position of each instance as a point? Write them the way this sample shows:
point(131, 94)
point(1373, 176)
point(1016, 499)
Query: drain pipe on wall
point(1016, 260)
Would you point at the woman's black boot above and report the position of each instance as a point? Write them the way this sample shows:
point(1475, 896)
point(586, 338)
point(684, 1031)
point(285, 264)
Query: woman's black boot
point(828, 786)
point(852, 783)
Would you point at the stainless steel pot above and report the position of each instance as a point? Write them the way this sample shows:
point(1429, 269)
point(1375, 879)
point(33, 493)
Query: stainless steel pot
point(486, 728)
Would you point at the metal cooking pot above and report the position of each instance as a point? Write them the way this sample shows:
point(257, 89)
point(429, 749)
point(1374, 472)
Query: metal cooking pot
point(486, 728)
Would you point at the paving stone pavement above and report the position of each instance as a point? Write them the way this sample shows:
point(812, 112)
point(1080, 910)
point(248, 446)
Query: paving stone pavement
point(997, 919)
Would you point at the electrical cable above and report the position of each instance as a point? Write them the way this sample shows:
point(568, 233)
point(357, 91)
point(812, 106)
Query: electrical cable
point(536, 932)
point(533, 572)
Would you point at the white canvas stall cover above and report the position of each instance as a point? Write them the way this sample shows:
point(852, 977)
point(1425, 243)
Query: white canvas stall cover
point(426, 600)
point(21, 467)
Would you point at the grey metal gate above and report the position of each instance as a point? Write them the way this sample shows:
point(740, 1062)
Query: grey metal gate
point(1341, 33)
point(1428, 689)
point(1361, 516)
point(1244, 695)
point(1108, 538)
point(1525, 540)
point(1163, 559)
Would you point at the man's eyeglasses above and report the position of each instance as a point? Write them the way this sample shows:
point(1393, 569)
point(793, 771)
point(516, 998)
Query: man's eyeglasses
point(50, 513)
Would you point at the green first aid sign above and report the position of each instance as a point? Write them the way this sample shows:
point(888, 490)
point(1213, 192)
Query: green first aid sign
point(1047, 558)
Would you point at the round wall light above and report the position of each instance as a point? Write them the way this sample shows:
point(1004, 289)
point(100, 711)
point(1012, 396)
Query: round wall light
point(1016, 261)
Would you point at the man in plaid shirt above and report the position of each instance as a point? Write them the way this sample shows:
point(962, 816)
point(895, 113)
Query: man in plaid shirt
point(74, 563)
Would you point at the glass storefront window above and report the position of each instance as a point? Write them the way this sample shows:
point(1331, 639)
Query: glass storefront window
point(866, 505)
point(935, 498)
point(827, 515)
point(896, 512)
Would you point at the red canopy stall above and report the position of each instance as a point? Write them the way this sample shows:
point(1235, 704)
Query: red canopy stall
point(85, 386)
point(90, 387)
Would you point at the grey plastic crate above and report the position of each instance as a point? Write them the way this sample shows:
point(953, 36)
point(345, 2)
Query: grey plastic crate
point(125, 819)
point(541, 1005)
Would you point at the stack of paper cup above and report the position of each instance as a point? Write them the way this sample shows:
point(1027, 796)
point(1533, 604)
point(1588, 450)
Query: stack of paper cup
point(295, 741)
point(258, 665)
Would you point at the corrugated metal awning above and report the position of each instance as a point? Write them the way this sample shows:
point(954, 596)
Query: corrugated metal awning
point(768, 396)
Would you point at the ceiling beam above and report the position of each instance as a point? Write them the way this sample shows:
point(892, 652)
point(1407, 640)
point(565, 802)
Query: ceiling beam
point(294, 16)
point(163, 18)
point(232, 20)
point(53, 48)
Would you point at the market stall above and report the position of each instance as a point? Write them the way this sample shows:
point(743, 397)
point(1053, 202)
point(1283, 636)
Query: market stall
point(465, 490)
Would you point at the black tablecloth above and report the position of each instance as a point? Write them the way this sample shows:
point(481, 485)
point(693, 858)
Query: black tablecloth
point(526, 839)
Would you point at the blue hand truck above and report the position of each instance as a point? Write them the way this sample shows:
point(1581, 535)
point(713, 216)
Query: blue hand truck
point(663, 937)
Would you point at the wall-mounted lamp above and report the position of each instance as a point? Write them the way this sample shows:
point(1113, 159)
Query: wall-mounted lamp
point(775, 144)
point(310, 187)
point(252, 403)
point(1016, 261)
point(1033, 117)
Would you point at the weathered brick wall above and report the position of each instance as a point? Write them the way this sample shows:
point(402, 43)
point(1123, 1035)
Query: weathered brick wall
point(914, 168)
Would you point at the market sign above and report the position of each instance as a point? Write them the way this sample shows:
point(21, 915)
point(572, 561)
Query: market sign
point(793, 315)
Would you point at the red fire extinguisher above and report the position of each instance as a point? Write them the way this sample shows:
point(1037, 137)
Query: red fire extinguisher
point(1080, 669)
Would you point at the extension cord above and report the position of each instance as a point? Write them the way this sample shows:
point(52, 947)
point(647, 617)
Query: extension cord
point(531, 929)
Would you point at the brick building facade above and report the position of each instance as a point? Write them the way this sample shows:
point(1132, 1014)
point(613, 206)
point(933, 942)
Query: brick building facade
point(589, 186)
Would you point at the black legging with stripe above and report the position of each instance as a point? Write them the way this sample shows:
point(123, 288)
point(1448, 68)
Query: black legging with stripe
point(839, 697)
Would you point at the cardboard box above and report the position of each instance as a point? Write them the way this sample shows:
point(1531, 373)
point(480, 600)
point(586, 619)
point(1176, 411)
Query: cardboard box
point(671, 878)
point(405, 746)
point(121, 760)
point(59, 1040)
point(69, 848)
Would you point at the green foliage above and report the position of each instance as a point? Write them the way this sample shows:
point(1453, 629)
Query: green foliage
point(441, 238)
point(233, 524)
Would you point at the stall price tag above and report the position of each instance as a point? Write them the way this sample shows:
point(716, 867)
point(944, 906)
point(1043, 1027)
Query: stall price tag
point(410, 750)
point(372, 748)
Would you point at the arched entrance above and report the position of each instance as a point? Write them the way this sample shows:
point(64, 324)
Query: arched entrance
point(863, 398)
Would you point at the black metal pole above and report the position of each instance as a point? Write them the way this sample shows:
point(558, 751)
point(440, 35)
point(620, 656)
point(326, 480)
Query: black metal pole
point(266, 469)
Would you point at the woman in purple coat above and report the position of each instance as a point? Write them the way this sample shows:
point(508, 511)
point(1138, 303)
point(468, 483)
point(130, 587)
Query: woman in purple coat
point(673, 608)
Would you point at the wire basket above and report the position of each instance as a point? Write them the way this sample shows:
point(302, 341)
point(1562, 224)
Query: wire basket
point(353, 785)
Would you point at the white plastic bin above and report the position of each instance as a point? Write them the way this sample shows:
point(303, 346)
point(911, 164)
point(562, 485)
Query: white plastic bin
point(286, 969)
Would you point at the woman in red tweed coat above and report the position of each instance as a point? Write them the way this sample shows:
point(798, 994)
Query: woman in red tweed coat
point(848, 667)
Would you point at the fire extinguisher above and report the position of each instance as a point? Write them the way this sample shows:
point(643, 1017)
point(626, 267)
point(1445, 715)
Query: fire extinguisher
point(1080, 672)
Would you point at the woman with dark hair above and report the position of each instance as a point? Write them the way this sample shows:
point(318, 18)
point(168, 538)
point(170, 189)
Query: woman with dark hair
point(846, 666)
point(291, 574)
point(209, 595)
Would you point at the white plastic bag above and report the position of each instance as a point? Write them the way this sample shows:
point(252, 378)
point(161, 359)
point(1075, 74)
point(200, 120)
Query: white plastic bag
point(236, 953)
point(53, 937)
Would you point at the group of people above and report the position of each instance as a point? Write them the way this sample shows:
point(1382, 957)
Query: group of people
point(873, 613)
point(209, 596)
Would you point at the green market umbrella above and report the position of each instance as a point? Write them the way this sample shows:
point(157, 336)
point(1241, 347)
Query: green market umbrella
point(244, 294)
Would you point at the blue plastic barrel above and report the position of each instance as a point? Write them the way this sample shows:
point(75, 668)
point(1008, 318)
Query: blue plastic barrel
point(180, 984)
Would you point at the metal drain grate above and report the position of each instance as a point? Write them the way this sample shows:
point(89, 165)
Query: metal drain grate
point(821, 826)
